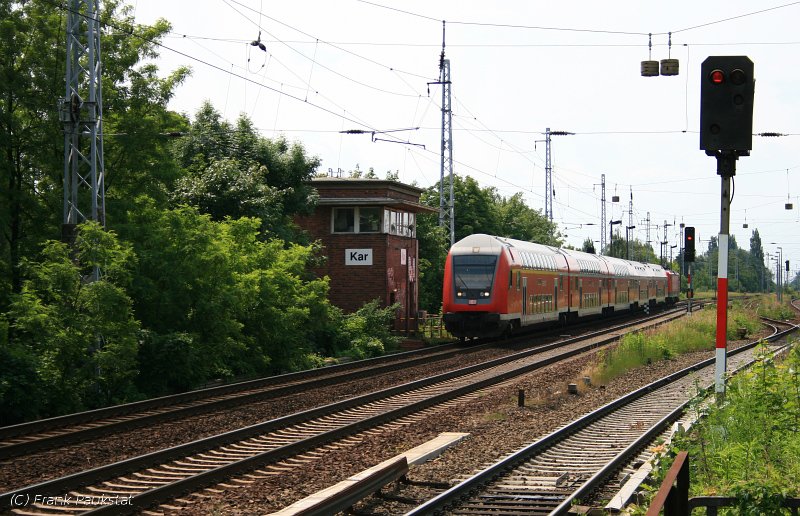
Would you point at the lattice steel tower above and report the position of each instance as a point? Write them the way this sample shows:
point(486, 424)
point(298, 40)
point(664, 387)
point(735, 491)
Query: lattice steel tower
point(446, 201)
point(81, 113)
point(603, 213)
point(548, 173)
point(548, 178)
point(446, 204)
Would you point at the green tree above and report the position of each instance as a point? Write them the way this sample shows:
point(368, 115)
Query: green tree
point(756, 260)
point(225, 189)
point(234, 172)
point(219, 301)
point(434, 242)
point(475, 208)
point(32, 71)
point(517, 220)
point(75, 340)
point(31, 76)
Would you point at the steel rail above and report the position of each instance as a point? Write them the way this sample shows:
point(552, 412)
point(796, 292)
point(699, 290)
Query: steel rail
point(41, 425)
point(22, 439)
point(71, 482)
point(475, 483)
point(625, 456)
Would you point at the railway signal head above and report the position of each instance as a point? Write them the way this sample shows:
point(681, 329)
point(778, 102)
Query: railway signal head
point(726, 104)
point(688, 244)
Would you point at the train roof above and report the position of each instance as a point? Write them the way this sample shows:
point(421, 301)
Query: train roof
point(489, 244)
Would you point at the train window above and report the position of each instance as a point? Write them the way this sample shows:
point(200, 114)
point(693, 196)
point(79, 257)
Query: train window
point(519, 279)
point(510, 279)
point(473, 275)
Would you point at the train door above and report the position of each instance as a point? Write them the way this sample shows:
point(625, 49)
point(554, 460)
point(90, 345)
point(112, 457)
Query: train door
point(555, 294)
point(524, 296)
point(600, 301)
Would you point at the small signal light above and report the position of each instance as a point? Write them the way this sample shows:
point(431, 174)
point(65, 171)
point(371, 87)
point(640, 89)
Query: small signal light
point(717, 77)
point(738, 77)
point(688, 244)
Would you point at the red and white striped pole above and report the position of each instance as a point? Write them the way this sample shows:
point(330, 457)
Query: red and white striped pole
point(726, 168)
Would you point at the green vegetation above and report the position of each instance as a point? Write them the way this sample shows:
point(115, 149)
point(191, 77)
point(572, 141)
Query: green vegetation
point(747, 448)
point(768, 306)
point(688, 334)
point(203, 275)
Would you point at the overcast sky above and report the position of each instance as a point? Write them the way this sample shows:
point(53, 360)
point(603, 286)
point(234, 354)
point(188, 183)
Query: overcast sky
point(517, 68)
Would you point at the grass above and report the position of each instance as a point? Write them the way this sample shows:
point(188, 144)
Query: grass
point(768, 306)
point(748, 447)
point(686, 335)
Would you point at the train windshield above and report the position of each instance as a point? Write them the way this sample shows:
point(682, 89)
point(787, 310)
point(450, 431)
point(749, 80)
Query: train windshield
point(473, 273)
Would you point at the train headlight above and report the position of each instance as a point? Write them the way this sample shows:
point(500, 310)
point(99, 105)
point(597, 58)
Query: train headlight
point(459, 294)
point(486, 294)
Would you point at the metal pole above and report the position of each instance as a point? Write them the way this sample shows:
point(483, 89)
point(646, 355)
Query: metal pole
point(726, 168)
point(689, 292)
point(779, 275)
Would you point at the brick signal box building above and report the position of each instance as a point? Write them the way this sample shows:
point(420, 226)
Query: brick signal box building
point(368, 229)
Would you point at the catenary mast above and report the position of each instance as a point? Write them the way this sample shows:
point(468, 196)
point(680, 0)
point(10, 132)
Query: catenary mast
point(81, 114)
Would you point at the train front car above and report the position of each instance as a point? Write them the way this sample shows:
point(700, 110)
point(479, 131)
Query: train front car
point(473, 303)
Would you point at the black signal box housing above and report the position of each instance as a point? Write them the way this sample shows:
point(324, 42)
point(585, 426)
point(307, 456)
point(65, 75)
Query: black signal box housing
point(727, 89)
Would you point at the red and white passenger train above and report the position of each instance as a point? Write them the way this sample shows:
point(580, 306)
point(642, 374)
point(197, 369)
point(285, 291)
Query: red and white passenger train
point(494, 285)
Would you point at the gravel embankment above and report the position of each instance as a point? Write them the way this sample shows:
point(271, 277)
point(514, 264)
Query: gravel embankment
point(496, 424)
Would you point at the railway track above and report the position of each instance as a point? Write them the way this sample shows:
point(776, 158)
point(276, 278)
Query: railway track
point(43, 434)
point(150, 479)
point(597, 450)
point(23, 439)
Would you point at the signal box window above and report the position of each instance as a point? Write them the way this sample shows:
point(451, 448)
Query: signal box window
point(369, 220)
point(356, 220)
point(399, 223)
point(344, 220)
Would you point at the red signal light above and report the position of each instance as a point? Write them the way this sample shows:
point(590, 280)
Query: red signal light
point(717, 77)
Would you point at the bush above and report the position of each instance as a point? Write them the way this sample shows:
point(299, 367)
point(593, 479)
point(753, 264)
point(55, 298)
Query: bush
point(366, 332)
